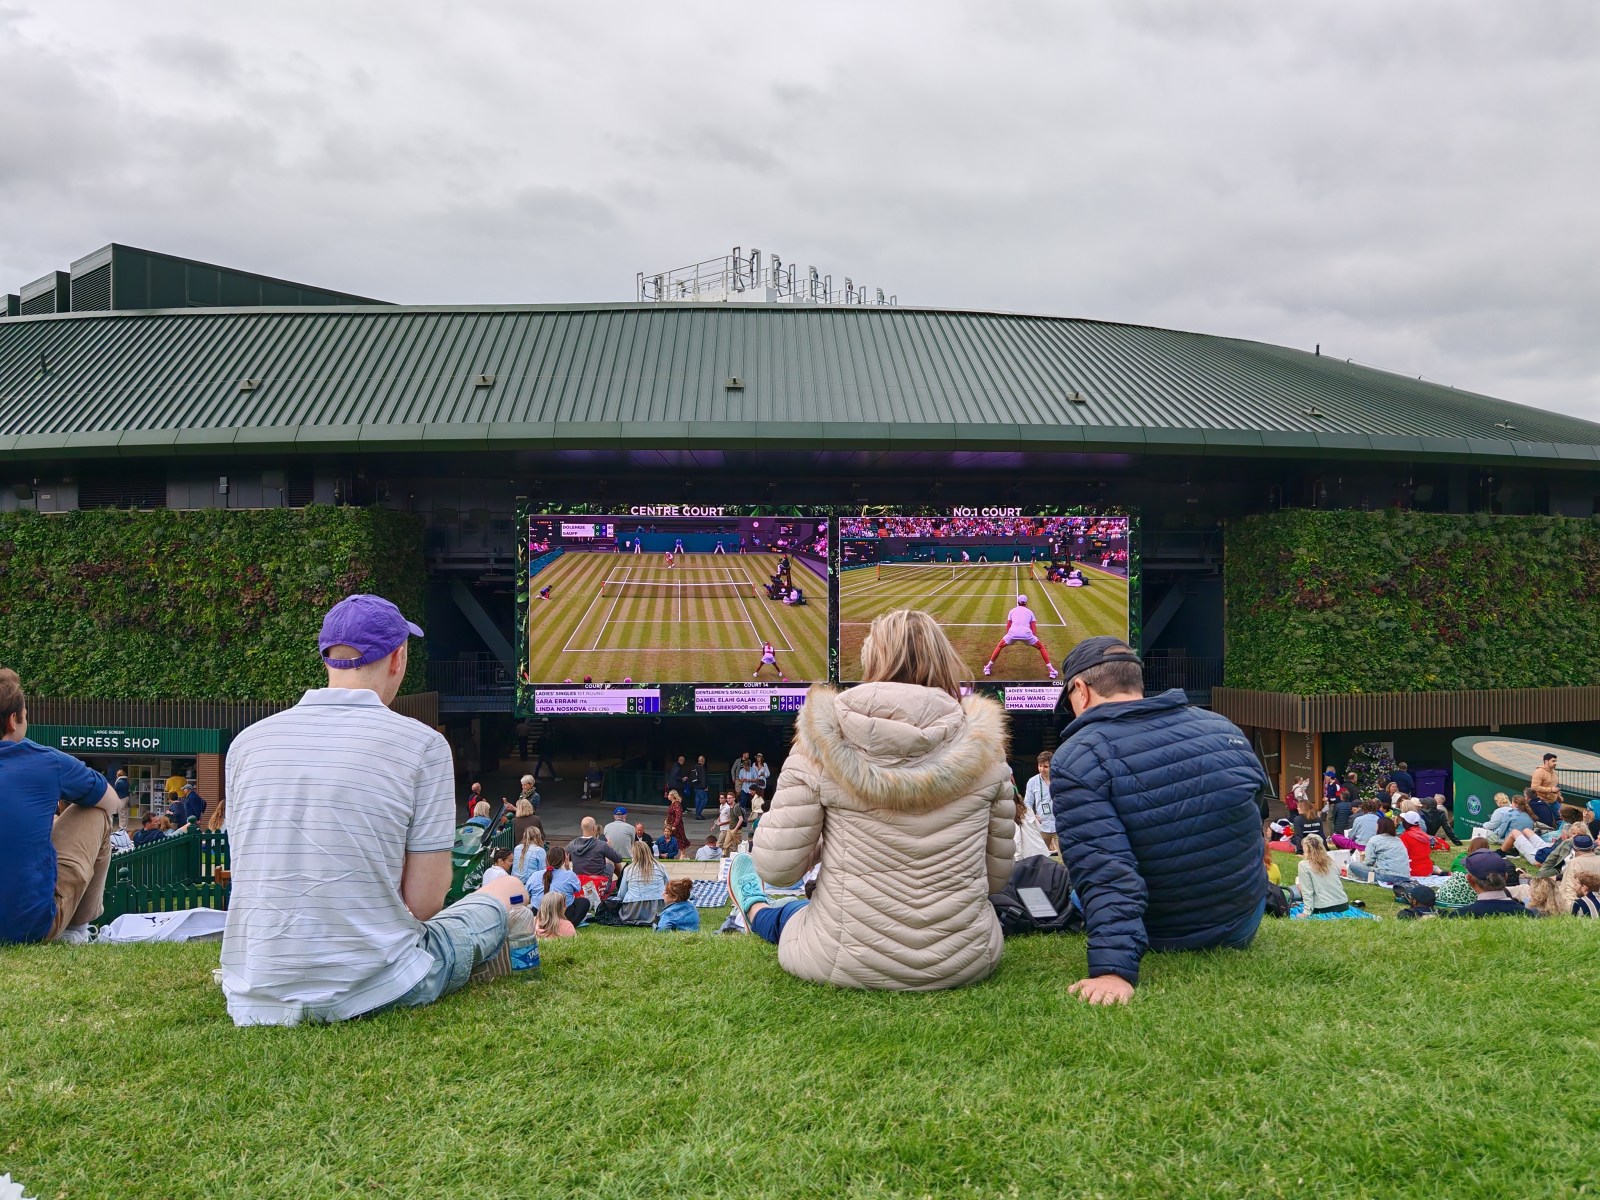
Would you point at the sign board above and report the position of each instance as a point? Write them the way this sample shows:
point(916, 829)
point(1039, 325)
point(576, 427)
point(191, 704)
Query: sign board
point(89, 739)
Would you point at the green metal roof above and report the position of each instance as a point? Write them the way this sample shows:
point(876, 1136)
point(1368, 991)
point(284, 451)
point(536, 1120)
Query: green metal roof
point(653, 375)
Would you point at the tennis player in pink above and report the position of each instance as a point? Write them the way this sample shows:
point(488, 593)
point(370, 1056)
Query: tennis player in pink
point(1021, 627)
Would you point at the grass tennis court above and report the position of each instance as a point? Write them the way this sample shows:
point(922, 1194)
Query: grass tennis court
point(616, 616)
point(970, 601)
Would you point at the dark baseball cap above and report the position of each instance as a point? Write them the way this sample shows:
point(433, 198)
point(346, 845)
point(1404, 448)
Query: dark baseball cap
point(369, 624)
point(1481, 864)
point(1091, 652)
point(1583, 843)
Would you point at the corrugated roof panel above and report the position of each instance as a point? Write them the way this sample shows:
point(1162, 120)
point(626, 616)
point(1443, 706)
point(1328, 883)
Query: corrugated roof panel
point(645, 370)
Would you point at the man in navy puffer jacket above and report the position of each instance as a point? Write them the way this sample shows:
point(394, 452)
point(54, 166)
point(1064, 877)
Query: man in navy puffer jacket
point(1157, 812)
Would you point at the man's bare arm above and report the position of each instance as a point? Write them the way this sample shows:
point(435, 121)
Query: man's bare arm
point(424, 880)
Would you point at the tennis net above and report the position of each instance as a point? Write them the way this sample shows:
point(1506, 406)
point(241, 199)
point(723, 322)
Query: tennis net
point(939, 570)
point(688, 591)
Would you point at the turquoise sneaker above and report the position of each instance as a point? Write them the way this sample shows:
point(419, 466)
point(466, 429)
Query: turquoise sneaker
point(744, 885)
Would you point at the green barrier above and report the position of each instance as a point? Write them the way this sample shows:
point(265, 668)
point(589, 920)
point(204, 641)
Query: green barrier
point(172, 874)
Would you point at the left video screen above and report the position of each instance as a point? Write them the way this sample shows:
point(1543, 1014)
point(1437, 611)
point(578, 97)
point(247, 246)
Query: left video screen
point(674, 594)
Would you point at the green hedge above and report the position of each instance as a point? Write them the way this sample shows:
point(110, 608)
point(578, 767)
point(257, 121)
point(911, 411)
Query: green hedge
point(1326, 602)
point(210, 605)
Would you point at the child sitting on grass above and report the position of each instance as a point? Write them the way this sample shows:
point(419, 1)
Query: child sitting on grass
point(499, 864)
point(679, 916)
point(1322, 894)
point(552, 921)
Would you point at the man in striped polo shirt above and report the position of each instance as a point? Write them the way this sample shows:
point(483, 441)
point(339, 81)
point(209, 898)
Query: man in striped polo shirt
point(341, 816)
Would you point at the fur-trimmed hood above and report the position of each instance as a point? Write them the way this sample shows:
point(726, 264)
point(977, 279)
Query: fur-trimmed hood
point(899, 746)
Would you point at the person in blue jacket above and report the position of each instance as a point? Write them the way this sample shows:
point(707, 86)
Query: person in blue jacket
point(679, 916)
point(1157, 811)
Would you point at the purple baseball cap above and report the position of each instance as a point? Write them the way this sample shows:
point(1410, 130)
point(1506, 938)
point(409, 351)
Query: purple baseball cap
point(369, 624)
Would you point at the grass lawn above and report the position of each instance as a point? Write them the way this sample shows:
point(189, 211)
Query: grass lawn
point(1440, 1059)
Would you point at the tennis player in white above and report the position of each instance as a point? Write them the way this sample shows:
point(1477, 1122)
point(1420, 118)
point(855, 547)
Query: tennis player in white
point(1021, 627)
point(769, 658)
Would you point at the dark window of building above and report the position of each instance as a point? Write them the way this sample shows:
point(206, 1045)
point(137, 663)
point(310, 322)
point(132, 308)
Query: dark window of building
point(91, 291)
point(122, 491)
point(299, 490)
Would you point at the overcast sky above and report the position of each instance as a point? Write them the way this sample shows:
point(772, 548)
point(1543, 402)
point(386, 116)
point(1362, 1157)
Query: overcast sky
point(1413, 185)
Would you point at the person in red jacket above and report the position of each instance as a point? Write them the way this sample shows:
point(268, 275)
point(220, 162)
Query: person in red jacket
point(1419, 846)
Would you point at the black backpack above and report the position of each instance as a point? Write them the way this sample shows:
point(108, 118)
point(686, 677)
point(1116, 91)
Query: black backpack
point(1051, 878)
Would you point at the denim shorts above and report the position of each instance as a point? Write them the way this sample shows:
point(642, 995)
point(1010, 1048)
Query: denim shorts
point(458, 939)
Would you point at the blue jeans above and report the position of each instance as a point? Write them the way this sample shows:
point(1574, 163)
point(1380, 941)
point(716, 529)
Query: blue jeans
point(1361, 874)
point(457, 939)
point(769, 922)
point(701, 797)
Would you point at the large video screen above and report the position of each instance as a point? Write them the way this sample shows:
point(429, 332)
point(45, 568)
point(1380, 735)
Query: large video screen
point(1014, 590)
point(673, 608)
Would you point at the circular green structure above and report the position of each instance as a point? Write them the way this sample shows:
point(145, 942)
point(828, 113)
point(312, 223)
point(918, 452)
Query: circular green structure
point(1485, 764)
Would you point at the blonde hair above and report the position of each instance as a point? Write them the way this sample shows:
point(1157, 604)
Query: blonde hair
point(1544, 896)
point(1501, 799)
point(1315, 852)
point(644, 860)
point(532, 837)
point(907, 646)
point(481, 809)
point(524, 807)
point(552, 911)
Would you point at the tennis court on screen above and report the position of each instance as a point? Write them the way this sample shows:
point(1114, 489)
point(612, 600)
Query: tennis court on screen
point(703, 620)
point(970, 602)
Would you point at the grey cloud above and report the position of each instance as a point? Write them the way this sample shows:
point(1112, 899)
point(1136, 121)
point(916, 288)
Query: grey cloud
point(1409, 185)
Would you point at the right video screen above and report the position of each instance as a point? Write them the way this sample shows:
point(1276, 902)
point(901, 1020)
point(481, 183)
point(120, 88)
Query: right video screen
point(1014, 590)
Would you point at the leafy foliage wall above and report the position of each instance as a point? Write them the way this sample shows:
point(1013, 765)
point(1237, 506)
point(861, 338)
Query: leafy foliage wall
point(210, 605)
point(1325, 602)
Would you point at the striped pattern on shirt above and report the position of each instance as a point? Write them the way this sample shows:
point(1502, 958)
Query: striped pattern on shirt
point(324, 802)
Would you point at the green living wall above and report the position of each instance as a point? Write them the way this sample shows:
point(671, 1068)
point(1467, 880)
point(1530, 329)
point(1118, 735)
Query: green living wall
point(1325, 602)
point(207, 605)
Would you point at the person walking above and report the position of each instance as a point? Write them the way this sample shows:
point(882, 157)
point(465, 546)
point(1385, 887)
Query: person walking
point(900, 789)
point(674, 822)
point(1038, 802)
point(1157, 807)
point(700, 785)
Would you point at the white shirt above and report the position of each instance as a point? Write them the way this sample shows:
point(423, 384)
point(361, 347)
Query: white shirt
point(1037, 798)
point(1020, 619)
point(494, 873)
point(324, 802)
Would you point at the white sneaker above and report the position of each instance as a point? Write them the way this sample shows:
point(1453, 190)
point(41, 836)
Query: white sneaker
point(988, 668)
point(1054, 673)
point(74, 935)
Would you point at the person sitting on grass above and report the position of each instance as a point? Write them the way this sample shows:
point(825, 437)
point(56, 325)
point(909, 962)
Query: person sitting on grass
point(1489, 874)
point(1362, 826)
point(1419, 846)
point(1519, 820)
point(1322, 895)
point(1458, 863)
point(1386, 860)
point(594, 858)
point(341, 818)
point(500, 859)
point(666, 846)
point(552, 921)
point(527, 864)
point(1499, 819)
point(644, 886)
point(679, 916)
point(1544, 896)
point(560, 877)
point(900, 789)
point(1281, 836)
point(1274, 874)
point(1583, 878)
point(1157, 807)
point(710, 851)
point(52, 865)
point(1307, 821)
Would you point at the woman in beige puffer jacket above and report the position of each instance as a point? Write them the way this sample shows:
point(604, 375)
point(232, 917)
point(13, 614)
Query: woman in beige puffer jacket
point(901, 791)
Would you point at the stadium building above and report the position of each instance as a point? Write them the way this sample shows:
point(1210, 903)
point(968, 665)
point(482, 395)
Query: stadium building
point(137, 380)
